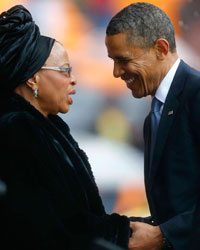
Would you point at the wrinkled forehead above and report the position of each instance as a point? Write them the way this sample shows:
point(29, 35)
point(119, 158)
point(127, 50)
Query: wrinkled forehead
point(117, 40)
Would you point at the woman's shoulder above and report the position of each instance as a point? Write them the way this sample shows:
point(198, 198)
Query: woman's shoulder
point(14, 118)
point(15, 110)
point(18, 127)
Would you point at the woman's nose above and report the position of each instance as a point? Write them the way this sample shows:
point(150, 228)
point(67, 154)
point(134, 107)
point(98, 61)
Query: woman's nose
point(73, 80)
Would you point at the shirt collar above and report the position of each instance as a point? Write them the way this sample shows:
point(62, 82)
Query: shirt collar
point(163, 89)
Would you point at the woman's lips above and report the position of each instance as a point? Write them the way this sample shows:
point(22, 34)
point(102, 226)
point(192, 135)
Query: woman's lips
point(73, 92)
point(70, 100)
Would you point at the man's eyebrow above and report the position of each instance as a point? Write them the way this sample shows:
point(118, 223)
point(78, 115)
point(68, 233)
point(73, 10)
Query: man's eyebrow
point(120, 58)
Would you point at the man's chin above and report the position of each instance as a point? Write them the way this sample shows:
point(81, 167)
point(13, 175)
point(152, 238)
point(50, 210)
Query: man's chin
point(138, 95)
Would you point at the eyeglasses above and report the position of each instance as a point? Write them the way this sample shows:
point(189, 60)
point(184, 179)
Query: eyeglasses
point(68, 70)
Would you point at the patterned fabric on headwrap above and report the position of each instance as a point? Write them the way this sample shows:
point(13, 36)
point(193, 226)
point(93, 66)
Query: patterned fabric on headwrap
point(23, 50)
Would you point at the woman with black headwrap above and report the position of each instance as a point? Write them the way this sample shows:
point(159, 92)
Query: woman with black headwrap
point(51, 200)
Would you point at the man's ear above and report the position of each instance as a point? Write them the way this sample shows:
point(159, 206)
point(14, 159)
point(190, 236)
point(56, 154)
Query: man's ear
point(162, 48)
point(33, 82)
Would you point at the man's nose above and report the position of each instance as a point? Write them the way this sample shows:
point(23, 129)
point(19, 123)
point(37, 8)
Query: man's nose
point(117, 70)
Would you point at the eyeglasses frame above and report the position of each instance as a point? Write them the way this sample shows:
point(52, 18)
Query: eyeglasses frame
point(68, 70)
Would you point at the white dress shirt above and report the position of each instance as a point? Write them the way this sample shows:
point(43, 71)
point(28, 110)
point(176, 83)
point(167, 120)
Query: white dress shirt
point(163, 89)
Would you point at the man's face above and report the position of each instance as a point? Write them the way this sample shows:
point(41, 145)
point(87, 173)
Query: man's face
point(138, 67)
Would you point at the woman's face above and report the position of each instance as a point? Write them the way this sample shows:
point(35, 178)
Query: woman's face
point(55, 87)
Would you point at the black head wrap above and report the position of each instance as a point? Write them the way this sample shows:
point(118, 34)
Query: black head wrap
point(23, 50)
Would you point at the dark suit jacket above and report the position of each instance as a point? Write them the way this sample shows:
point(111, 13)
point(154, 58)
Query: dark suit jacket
point(173, 180)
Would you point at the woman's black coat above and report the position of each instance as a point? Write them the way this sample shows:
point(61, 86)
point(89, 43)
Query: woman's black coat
point(52, 201)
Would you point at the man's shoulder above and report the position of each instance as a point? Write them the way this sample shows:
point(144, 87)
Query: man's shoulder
point(191, 73)
point(187, 78)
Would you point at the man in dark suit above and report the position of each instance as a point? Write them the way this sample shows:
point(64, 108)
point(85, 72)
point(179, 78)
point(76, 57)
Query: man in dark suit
point(140, 40)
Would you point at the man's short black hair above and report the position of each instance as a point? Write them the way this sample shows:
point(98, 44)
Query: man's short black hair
point(143, 23)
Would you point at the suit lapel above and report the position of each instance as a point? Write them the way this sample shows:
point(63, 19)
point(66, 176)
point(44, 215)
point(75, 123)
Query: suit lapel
point(168, 115)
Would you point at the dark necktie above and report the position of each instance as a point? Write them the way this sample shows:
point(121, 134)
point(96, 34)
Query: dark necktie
point(155, 119)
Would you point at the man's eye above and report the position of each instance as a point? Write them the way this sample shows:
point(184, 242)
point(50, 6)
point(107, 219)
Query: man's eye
point(125, 61)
